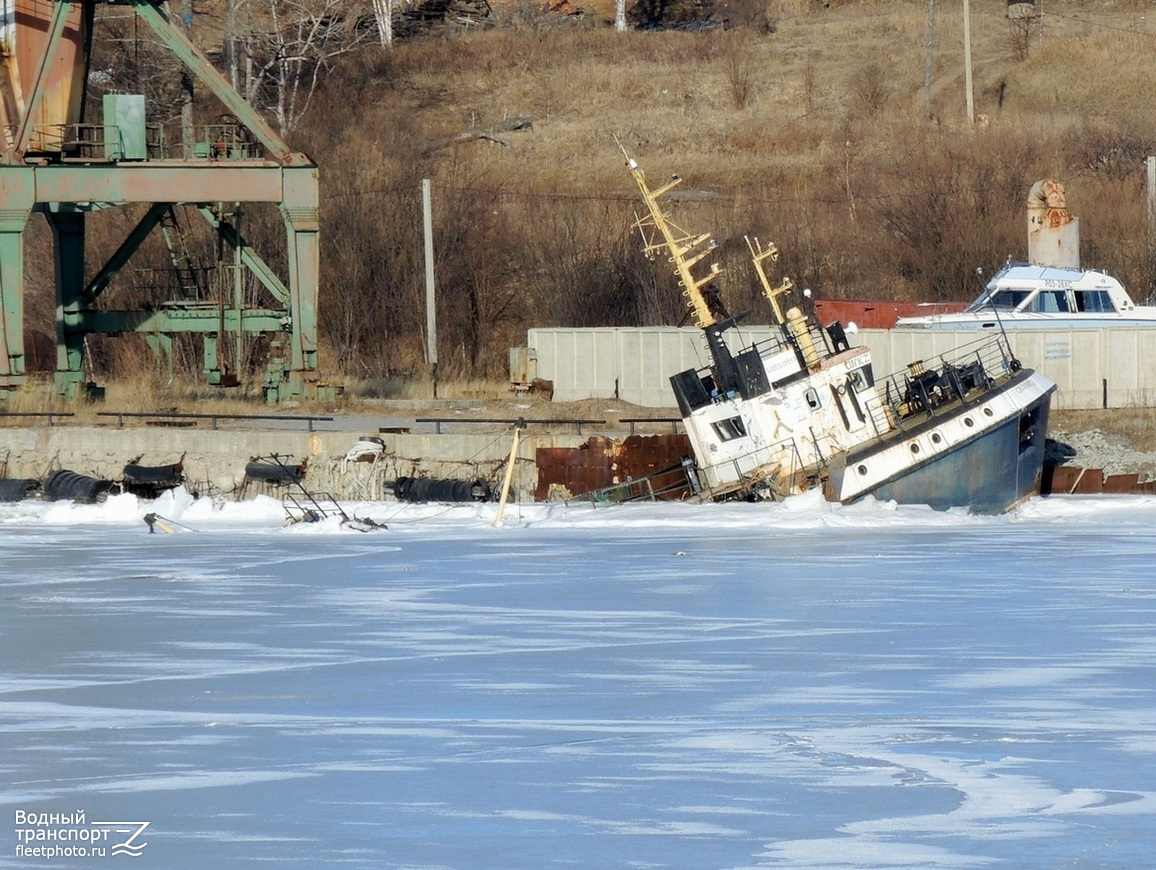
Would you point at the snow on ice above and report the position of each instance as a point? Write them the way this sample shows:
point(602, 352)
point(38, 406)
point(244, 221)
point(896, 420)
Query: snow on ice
point(801, 685)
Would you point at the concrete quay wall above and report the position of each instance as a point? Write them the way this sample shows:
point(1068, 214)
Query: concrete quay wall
point(215, 460)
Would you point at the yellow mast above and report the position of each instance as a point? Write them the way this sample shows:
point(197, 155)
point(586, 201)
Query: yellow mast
point(793, 319)
point(758, 254)
point(685, 250)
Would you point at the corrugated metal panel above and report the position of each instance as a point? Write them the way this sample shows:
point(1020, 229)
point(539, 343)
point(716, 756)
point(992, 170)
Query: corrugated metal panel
point(1087, 364)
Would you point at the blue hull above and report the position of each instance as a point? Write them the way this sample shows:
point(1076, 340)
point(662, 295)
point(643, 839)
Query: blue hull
point(989, 474)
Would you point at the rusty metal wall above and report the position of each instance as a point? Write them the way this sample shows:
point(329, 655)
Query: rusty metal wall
point(64, 89)
point(569, 472)
point(878, 313)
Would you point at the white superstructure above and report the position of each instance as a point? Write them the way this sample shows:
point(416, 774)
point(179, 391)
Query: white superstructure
point(1044, 297)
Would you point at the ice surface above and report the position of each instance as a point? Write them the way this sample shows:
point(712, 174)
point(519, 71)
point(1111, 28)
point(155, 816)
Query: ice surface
point(794, 686)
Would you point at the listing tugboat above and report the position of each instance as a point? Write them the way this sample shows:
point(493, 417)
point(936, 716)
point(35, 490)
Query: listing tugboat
point(803, 410)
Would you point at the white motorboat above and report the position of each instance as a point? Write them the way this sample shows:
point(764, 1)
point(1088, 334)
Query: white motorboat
point(1044, 297)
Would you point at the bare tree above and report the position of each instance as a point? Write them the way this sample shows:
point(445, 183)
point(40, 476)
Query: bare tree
point(383, 12)
point(289, 44)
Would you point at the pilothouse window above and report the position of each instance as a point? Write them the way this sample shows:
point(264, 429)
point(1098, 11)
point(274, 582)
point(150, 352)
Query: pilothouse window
point(860, 378)
point(729, 429)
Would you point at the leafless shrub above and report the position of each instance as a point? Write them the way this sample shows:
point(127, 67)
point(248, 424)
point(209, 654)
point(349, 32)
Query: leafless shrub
point(871, 89)
point(954, 206)
point(1023, 27)
point(809, 86)
point(739, 75)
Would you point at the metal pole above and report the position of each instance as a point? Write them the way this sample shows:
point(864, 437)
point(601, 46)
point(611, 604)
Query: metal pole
point(967, 60)
point(928, 63)
point(431, 325)
point(1151, 227)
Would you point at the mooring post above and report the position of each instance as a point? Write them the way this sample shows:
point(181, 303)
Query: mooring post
point(518, 427)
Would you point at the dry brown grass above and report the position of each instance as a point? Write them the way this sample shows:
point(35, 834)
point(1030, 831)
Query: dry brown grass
point(808, 127)
point(1136, 425)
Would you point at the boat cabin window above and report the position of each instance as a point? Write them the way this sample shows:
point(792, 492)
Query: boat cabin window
point(860, 378)
point(812, 397)
point(1050, 301)
point(730, 428)
point(1096, 301)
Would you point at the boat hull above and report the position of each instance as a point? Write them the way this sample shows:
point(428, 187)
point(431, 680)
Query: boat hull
point(988, 473)
point(1009, 321)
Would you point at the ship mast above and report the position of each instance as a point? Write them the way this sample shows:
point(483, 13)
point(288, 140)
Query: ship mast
point(794, 321)
point(758, 254)
point(685, 250)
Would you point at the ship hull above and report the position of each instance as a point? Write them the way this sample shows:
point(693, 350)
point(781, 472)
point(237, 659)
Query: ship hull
point(988, 473)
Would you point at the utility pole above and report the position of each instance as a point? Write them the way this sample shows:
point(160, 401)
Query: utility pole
point(1151, 228)
point(967, 60)
point(431, 322)
point(928, 64)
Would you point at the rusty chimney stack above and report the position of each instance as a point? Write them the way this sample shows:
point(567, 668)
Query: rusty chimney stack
point(1053, 234)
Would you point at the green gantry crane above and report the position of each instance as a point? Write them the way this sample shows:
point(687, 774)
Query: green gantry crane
point(55, 163)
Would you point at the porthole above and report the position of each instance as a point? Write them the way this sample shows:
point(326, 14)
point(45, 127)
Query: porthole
point(967, 421)
point(914, 448)
point(863, 469)
point(989, 412)
point(935, 438)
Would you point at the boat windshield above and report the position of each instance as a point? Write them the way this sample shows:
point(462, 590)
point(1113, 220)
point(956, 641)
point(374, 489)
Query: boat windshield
point(1000, 298)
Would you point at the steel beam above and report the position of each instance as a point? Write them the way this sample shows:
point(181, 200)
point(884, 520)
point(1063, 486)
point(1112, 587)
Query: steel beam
point(301, 211)
point(16, 200)
point(68, 259)
point(192, 182)
point(204, 320)
point(127, 248)
point(249, 258)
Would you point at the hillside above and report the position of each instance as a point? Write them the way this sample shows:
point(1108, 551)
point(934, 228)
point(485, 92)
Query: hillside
point(809, 127)
point(836, 130)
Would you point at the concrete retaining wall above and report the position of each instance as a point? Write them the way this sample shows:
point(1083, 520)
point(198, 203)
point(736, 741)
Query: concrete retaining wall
point(1094, 368)
point(215, 460)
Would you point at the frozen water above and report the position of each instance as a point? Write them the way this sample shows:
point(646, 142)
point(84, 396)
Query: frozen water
point(792, 686)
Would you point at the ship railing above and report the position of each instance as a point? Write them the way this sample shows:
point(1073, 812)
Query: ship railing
point(820, 340)
point(769, 470)
point(670, 483)
point(926, 386)
point(89, 142)
point(749, 359)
